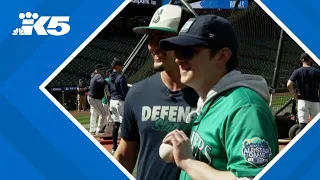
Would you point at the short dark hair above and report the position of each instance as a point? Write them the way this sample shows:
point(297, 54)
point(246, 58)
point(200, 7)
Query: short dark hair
point(116, 62)
point(305, 57)
point(232, 63)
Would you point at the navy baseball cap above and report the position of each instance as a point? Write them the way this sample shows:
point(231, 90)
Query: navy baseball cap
point(209, 31)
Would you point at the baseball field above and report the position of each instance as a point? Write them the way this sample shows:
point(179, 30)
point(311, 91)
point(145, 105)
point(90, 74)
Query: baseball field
point(84, 117)
point(278, 101)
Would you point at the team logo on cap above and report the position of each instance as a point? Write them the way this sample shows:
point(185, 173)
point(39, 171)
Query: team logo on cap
point(156, 17)
point(187, 25)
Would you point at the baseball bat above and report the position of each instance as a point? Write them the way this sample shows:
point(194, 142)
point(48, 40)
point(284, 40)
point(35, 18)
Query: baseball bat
point(187, 5)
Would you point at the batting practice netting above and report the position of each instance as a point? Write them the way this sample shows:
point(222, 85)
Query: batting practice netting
point(258, 36)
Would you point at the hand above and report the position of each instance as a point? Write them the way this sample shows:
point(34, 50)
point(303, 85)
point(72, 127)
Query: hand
point(182, 150)
point(295, 96)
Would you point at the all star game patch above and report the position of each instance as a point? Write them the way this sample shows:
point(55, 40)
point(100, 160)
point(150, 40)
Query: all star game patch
point(256, 151)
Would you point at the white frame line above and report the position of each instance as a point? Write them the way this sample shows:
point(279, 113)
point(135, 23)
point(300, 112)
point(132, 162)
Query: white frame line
point(64, 64)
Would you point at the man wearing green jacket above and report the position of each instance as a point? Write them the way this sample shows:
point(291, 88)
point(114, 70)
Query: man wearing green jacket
point(234, 135)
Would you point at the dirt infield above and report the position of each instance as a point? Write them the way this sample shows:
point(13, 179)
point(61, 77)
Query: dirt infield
point(107, 144)
point(75, 113)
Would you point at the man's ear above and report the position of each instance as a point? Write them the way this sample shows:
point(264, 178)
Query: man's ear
point(224, 55)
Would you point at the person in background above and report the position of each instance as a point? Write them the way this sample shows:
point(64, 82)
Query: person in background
point(306, 79)
point(81, 95)
point(95, 96)
point(106, 106)
point(118, 88)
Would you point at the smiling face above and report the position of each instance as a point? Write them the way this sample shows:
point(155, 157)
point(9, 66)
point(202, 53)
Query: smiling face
point(200, 66)
point(194, 64)
point(162, 60)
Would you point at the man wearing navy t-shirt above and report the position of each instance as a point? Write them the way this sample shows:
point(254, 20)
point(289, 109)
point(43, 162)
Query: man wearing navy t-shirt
point(118, 88)
point(157, 105)
point(307, 79)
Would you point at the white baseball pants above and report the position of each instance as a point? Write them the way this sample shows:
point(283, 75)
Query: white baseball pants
point(109, 122)
point(96, 108)
point(306, 108)
point(117, 109)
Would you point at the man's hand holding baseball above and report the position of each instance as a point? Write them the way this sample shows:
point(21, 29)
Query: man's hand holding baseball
point(182, 155)
point(182, 151)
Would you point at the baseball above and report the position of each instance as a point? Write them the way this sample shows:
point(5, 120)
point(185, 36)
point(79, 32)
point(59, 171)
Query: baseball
point(165, 152)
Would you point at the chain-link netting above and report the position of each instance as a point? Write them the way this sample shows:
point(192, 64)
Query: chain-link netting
point(259, 38)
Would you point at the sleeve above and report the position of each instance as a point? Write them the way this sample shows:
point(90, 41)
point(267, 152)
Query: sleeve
point(294, 76)
point(316, 74)
point(250, 138)
point(124, 86)
point(101, 79)
point(108, 90)
point(129, 126)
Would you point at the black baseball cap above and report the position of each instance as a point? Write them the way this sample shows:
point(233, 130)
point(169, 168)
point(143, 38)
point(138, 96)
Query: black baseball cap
point(99, 66)
point(304, 56)
point(210, 31)
point(116, 62)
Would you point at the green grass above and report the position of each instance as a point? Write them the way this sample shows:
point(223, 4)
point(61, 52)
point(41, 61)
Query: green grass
point(84, 119)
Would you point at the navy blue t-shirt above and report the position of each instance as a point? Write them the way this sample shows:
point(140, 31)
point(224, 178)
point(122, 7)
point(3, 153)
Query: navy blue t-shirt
point(151, 111)
point(307, 80)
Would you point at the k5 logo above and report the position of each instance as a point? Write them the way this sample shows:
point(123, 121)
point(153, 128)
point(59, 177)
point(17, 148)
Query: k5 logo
point(32, 22)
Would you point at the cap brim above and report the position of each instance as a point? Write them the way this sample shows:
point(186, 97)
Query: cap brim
point(146, 29)
point(180, 41)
